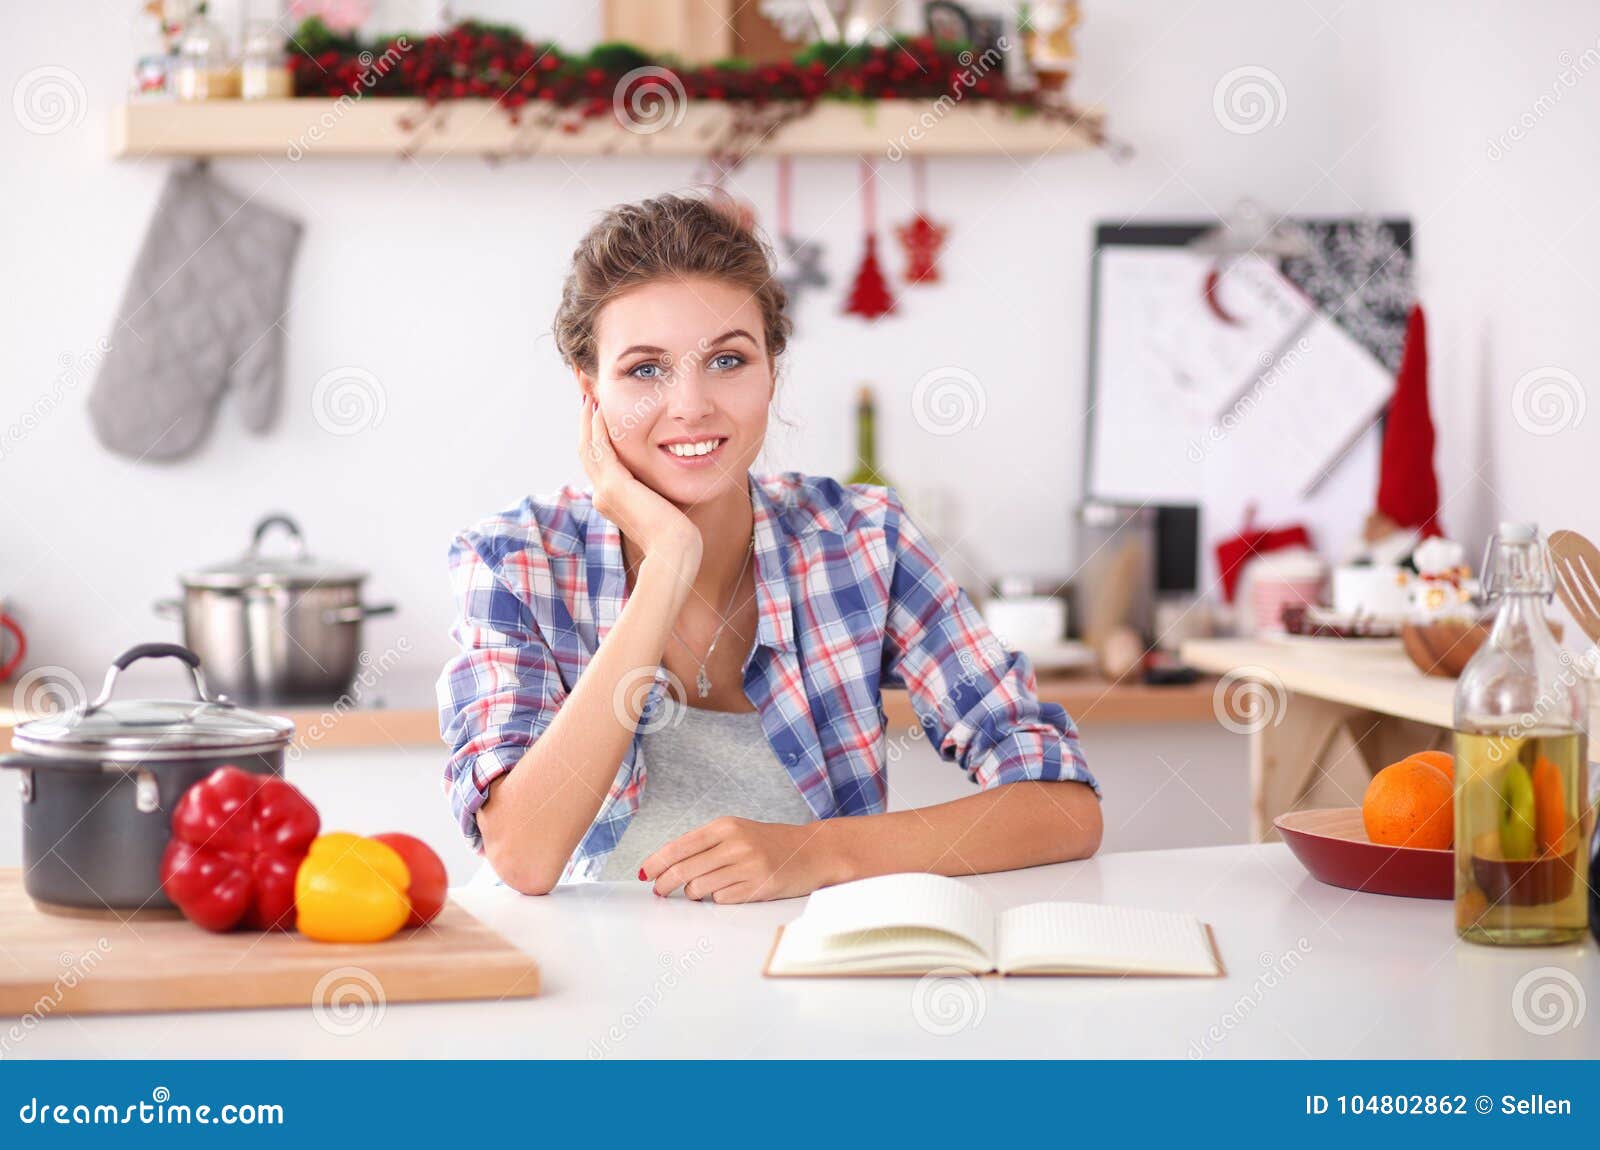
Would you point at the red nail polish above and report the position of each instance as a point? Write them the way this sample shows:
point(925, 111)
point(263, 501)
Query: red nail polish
point(641, 874)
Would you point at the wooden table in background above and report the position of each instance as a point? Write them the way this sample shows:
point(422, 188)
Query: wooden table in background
point(1314, 708)
point(1091, 701)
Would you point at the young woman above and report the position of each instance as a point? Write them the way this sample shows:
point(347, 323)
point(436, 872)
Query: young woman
point(676, 673)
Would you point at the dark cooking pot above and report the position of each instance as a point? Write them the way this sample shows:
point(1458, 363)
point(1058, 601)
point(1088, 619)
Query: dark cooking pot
point(99, 783)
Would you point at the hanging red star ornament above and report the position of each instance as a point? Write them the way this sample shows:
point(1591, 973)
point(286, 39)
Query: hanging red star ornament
point(922, 238)
point(869, 294)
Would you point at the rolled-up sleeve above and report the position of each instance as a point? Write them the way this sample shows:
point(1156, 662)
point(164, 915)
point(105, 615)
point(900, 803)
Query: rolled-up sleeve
point(978, 703)
point(500, 693)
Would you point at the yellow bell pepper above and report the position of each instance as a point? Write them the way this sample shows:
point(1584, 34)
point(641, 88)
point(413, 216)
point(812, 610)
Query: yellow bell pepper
point(351, 889)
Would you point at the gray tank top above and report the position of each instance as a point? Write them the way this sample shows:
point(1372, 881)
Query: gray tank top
point(700, 765)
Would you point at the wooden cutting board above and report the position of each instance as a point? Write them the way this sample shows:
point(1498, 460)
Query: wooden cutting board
point(51, 965)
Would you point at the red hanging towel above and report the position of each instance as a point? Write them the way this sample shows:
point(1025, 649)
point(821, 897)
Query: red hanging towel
point(1234, 553)
point(1408, 489)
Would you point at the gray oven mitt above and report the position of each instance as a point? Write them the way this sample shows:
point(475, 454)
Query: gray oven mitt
point(202, 312)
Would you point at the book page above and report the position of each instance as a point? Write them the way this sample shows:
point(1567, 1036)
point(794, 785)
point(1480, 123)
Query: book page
point(1090, 938)
point(900, 916)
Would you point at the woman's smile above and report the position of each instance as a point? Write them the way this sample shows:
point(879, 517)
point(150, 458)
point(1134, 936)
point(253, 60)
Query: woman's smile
point(704, 451)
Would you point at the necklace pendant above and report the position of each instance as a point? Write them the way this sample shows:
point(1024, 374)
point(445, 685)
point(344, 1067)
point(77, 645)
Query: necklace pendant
point(702, 682)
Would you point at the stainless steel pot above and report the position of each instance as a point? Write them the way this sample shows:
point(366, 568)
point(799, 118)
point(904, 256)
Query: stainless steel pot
point(277, 629)
point(100, 781)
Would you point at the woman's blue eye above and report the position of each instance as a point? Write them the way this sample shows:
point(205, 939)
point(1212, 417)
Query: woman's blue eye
point(638, 372)
point(727, 361)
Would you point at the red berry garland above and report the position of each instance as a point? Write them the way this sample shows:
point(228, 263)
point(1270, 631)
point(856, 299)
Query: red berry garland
point(481, 61)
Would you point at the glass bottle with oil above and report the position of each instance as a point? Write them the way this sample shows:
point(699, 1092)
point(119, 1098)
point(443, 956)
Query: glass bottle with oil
point(1521, 800)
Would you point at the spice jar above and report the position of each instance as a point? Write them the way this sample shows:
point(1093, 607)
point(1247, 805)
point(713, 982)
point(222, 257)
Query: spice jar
point(205, 69)
point(264, 71)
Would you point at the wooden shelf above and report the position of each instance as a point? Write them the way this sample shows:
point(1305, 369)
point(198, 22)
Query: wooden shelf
point(391, 127)
point(1089, 699)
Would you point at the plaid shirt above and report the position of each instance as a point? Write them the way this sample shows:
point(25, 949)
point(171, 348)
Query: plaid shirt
point(851, 599)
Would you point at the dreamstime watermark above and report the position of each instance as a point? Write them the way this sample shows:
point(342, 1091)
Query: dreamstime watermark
point(48, 100)
point(674, 968)
point(1548, 401)
point(1236, 414)
point(948, 1000)
point(1250, 99)
point(75, 369)
point(631, 696)
point(76, 968)
point(348, 1000)
point(948, 401)
point(674, 371)
point(47, 691)
point(349, 400)
point(1555, 698)
point(1248, 700)
point(373, 69)
point(648, 99)
point(371, 672)
point(1572, 70)
point(1548, 999)
point(973, 69)
point(1274, 969)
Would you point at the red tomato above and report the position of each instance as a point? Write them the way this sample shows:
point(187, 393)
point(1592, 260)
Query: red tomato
point(430, 885)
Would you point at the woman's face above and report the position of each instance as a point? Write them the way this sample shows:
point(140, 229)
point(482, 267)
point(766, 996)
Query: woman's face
point(684, 385)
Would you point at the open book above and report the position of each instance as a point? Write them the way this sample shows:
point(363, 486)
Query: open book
point(917, 923)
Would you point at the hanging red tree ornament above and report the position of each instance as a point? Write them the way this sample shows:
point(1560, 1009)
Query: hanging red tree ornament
point(869, 295)
point(922, 238)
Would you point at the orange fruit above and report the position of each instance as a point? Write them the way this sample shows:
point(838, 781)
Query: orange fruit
point(1549, 805)
point(1410, 804)
point(1441, 759)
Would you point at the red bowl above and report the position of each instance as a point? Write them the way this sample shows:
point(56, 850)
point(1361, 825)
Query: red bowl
point(1332, 843)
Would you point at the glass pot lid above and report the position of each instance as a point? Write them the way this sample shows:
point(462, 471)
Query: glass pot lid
point(137, 729)
point(295, 569)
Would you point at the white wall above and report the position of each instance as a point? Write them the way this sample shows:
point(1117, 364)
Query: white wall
point(1508, 235)
point(441, 281)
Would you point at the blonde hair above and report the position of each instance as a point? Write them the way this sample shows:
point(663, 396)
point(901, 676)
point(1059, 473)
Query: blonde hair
point(666, 237)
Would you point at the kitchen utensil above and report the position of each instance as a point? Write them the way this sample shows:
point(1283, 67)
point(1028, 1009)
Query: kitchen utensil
point(10, 663)
point(273, 628)
point(1332, 843)
point(1577, 563)
point(177, 966)
point(99, 782)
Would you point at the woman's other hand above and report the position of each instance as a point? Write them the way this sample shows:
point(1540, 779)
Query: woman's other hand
point(740, 860)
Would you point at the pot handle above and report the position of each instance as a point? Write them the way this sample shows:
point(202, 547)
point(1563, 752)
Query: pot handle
point(21, 761)
point(168, 608)
point(289, 525)
point(356, 613)
point(153, 651)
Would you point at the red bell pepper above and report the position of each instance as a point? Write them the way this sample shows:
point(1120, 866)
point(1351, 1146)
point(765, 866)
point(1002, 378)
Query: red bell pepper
point(237, 841)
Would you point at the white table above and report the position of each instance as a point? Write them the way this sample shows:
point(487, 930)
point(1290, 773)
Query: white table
point(1312, 971)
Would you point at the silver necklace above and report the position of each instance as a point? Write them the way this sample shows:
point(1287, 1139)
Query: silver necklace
point(702, 681)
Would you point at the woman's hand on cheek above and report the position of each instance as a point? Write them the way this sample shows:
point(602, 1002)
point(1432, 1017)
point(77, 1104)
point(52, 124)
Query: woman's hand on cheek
point(739, 860)
point(648, 519)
